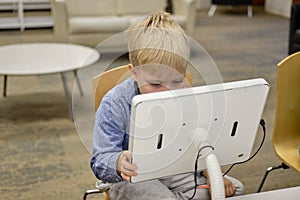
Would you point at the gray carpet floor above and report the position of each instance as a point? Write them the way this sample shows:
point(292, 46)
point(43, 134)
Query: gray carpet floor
point(44, 157)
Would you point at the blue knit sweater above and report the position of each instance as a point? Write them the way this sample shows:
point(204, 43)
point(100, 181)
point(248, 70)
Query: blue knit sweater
point(111, 130)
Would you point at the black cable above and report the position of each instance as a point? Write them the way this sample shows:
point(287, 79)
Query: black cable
point(196, 168)
point(262, 123)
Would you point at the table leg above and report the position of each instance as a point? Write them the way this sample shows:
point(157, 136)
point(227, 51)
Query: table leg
point(68, 94)
point(250, 11)
point(78, 82)
point(212, 10)
point(4, 85)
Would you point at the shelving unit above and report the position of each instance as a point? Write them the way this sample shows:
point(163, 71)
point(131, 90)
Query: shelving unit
point(8, 5)
point(19, 18)
point(10, 22)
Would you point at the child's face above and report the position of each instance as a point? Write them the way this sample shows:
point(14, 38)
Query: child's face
point(157, 80)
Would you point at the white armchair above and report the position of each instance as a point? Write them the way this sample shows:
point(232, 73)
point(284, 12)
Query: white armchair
point(91, 22)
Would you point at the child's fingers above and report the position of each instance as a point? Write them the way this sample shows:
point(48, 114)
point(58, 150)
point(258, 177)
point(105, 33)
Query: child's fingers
point(229, 188)
point(126, 164)
point(127, 169)
point(126, 155)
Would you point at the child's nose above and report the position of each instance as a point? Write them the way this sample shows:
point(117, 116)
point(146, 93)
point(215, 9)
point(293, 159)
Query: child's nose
point(164, 87)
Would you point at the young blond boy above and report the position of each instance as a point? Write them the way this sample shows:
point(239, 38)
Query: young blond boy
point(158, 53)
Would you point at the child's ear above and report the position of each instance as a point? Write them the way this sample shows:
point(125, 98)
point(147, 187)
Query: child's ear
point(132, 71)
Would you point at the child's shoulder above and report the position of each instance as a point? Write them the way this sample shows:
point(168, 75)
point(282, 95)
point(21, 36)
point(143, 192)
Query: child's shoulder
point(127, 89)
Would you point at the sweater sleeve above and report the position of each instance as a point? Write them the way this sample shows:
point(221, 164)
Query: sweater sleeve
point(108, 141)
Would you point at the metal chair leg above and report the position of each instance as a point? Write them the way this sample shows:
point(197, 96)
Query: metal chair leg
point(269, 169)
point(4, 85)
point(95, 191)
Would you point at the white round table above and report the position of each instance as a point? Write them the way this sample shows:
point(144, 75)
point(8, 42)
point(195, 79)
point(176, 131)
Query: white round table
point(45, 58)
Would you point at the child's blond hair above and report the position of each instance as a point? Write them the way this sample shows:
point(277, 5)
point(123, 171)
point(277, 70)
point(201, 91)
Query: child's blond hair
point(158, 40)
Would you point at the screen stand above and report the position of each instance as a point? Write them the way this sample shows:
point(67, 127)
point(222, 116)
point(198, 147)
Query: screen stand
point(215, 177)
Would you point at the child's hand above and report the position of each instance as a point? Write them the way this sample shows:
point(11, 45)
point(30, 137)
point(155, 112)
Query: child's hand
point(229, 187)
point(124, 168)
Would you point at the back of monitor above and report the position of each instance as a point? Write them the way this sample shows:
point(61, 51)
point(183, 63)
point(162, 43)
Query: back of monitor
point(168, 128)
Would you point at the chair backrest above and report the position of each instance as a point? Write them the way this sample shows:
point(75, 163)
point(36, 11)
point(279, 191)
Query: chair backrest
point(286, 135)
point(105, 81)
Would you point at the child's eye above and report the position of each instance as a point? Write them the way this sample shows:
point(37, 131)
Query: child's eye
point(155, 84)
point(178, 81)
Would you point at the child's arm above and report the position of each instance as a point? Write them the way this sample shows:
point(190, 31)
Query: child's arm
point(108, 142)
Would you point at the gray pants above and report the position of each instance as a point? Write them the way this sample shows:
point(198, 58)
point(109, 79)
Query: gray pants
point(179, 187)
